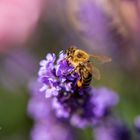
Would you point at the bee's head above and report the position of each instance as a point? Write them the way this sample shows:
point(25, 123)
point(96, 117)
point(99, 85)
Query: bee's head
point(70, 51)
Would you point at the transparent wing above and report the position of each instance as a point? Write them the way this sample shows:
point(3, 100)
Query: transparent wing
point(96, 73)
point(101, 58)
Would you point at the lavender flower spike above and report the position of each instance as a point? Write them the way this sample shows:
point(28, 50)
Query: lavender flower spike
point(97, 106)
point(43, 132)
point(53, 74)
point(47, 126)
point(104, 100)
point(112, 129)
point(83, 106)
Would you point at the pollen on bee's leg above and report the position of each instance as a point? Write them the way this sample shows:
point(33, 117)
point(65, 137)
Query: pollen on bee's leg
point(79, 83)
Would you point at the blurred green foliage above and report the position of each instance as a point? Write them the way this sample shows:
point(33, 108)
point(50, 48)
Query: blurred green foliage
point(14, 123)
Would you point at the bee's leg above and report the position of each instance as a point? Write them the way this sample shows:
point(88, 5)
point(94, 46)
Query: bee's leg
point(79, 83)
point(74, 70)
point(78, 70)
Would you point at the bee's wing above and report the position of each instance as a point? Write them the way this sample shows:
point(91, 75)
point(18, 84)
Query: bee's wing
point(96, 73)
point(101, 58)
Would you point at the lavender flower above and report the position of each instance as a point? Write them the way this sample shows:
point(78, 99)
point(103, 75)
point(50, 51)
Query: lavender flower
point(45, 131)
point(92, 23)
point(92, 17)
point(96, 107)
point(137, 123)
point(47, 126)
point(56, 77)
point(83, 106)
point(112, 129)
point(40, 132)
point(103, 100)
point(39, 108)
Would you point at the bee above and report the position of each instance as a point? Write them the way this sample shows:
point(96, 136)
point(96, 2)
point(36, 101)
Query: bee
point(81, 61)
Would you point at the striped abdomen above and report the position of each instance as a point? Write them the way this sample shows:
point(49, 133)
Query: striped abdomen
point(86, 76)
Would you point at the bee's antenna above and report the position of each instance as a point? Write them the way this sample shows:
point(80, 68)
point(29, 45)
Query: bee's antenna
point(61, 52)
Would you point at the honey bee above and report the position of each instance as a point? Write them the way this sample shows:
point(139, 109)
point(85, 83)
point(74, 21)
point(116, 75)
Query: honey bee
point(83, 65)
